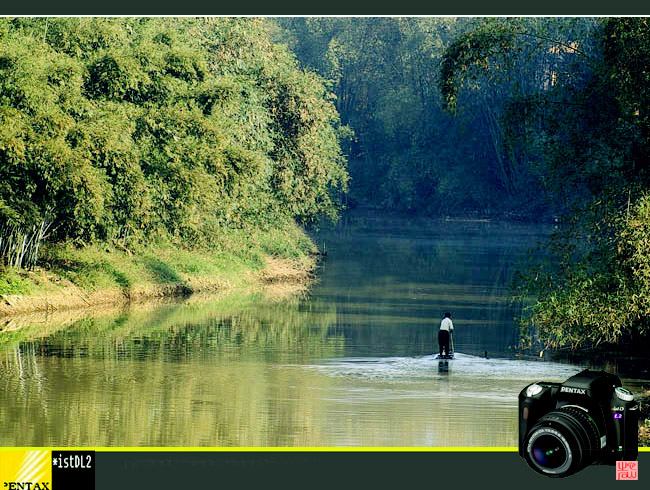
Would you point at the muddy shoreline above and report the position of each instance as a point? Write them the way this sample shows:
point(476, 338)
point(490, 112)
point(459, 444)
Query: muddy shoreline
point(279, 278)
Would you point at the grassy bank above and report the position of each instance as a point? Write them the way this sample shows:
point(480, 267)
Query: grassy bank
point(80, 275)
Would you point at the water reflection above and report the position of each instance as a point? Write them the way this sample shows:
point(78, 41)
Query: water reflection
point(351, 365)
point(392, 280)
point(443, 366)
point(179, 375)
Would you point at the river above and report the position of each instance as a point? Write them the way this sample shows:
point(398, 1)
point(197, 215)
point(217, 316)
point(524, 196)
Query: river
point(351, 365)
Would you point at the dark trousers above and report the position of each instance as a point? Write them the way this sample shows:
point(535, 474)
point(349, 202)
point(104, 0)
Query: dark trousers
point(443, 341)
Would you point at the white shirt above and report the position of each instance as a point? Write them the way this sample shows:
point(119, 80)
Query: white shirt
point(446, 324)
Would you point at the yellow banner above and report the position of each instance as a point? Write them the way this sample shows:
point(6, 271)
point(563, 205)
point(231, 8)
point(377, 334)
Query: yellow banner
point(26, 470)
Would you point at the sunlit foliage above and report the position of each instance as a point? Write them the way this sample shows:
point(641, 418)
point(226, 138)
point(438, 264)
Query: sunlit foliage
point(125, 129)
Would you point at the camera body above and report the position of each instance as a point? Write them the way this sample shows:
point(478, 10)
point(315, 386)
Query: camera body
point(588, 419)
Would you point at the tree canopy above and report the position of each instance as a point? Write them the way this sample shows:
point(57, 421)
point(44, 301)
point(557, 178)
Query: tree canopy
point(119, 128)
point(409, 153)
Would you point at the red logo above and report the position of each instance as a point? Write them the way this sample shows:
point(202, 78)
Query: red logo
point(627, 470)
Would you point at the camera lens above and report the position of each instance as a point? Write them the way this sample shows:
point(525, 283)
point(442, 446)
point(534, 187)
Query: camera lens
point(563, 441)
point(549, 451)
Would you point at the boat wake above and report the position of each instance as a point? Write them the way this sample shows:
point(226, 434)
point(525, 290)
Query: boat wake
point(426, 367)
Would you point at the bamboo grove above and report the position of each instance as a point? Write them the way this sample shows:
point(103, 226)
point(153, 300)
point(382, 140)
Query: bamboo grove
point(125, 129)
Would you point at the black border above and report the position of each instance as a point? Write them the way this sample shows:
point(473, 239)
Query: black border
point(328, 7)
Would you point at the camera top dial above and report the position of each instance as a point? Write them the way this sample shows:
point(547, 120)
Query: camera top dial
point(623, 394)
point(533, 390)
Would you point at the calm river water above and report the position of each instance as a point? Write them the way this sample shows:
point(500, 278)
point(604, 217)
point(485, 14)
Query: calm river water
point(352, 365)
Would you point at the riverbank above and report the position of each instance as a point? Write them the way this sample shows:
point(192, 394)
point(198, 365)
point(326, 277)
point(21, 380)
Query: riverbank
point(280, 263)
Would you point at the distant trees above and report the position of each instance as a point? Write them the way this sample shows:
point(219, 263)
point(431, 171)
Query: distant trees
point(409, 153)
point(535, 117)
point(124, 129)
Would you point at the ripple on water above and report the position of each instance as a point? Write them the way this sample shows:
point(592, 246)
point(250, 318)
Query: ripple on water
point(415, 369)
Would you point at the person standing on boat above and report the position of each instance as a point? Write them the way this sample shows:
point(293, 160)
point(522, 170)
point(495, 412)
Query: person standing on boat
point(446, 330)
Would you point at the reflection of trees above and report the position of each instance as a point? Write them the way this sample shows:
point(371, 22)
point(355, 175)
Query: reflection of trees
point(241, 327)
point(188, 376)
point(394, 278)
point(110, 402)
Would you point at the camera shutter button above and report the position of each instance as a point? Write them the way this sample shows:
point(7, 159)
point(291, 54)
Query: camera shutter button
point(623, 394)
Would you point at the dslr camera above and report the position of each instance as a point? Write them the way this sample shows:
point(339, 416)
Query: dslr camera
point(588, 419)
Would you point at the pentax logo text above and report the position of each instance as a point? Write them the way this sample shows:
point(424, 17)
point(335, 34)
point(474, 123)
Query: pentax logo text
point(576, 391)
point(627, 470)
point(27, 485)
point(26, 470)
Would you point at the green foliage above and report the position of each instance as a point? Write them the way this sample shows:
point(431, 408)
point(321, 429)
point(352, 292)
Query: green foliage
point(486, 47)
point(129, 129)
point(590, 135)
point(12, 283)
point(626, 49)
point(409, 154)
point(599, 290)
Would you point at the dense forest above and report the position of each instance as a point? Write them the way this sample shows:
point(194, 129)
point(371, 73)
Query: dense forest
point(127, 130)
point(533, 118)
point(409, 153)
